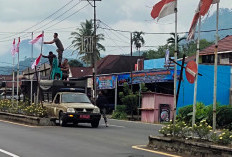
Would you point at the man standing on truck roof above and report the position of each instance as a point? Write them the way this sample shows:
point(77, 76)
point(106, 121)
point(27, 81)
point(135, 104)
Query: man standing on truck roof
point(50, 57)
point(65, 69)
point(60, 48)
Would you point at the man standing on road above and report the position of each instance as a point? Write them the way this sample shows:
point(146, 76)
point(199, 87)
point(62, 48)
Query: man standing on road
point(101, 103)
point(59, 45)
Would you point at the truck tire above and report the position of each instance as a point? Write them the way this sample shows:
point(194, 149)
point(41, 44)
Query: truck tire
point(62, 122)
point(95, 124)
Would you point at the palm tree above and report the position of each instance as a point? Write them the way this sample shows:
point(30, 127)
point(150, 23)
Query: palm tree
point(87, 29)
point(171, 40)
point(138, 40)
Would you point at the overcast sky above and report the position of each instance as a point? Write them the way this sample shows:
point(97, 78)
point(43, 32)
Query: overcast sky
point(131, 15)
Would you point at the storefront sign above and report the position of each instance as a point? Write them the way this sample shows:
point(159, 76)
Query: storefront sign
point(106, 82)
point(146, 77)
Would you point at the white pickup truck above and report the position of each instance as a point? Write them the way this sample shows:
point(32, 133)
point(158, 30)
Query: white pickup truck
point(73, 107)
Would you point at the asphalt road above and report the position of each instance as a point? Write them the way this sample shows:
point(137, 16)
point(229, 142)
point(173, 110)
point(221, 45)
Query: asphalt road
point(76, 141)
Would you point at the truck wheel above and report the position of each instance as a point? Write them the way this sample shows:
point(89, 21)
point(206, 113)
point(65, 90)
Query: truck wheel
point(62, 122)
point(95, 124)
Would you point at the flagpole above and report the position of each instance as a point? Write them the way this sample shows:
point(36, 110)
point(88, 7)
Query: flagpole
point(31, 64)
point(215, 72)
point(13, 81)
point(38, 78)
point(196, 78)
point(175, 69)
point(18, 76)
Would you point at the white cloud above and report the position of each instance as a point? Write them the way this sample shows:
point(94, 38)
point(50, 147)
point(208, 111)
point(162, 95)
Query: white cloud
point(120, 14)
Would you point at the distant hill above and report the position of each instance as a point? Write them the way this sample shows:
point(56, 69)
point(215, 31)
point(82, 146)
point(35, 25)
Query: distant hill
point(209, 23)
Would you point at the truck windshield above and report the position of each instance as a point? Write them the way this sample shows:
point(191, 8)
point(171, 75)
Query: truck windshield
point(75, 98)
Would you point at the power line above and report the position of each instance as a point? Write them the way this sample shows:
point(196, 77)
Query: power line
point(59, 16)
point(40, 21)
point(67, 17)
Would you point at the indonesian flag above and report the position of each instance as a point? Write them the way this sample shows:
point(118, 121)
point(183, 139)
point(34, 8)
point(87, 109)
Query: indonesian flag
point(202, 9)
point(192, 29)
point(36, 62)
point(205, 5)
point(17, 47)
point(37, 39)
point(163, 8)
point(13, 48)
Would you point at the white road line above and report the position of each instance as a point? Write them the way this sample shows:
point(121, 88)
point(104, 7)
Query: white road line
point(8, 153)
point(138, 122)
point(118, 126)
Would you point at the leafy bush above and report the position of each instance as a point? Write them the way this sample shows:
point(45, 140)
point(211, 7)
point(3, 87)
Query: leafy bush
point(120, 112)
point(119, 115)
point(225, 137)
point(180, 129)
point(202, 130)
point(22, 108)
point(224, 118)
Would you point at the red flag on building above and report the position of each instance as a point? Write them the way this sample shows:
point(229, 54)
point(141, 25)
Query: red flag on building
point(36, 62)
point(13, 48)
point(37, 39)
point(163, 8)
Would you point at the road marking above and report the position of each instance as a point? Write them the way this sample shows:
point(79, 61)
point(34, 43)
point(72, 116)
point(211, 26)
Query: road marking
point(137, 122)
point(30, 126)
point(118, 126)
point(153, 151)
point(8, 153)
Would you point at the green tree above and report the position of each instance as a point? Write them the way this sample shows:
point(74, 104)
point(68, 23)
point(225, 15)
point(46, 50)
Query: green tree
point(171, 41)
point(138, 40)
point(191, 48)
point(75, 63)
point(129, 99)
point(87, 29)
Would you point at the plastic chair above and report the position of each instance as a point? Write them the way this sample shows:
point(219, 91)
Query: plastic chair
point(55, 69)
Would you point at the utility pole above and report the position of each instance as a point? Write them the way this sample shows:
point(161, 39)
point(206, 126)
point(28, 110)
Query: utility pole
point(215, 72)
point(175, 68)
point(95, 53)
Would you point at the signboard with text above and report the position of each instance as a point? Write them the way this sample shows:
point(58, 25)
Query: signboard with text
point(106, 82)
point(146, 77)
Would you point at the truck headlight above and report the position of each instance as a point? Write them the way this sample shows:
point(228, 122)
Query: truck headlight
point(96, 110)
point(70, 110)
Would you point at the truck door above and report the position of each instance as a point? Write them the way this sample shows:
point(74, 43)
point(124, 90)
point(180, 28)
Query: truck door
point(55, 105)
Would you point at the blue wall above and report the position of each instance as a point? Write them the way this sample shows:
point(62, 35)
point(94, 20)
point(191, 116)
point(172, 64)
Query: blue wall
point(205, 86)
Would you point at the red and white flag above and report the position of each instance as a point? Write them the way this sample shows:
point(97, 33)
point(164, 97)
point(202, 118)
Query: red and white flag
point(202, 9)
point(13, 48)
point(17, 47)
point(37, 39)
point(192, 29)
point(163, 8)
point(205, 5)
point(36, 62)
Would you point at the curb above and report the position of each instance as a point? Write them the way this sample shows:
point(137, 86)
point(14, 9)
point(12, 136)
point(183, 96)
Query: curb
point(37, 121)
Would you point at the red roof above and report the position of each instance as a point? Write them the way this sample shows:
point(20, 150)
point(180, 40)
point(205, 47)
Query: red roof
point(116, 64)
point(79, 72)
point(224, 45)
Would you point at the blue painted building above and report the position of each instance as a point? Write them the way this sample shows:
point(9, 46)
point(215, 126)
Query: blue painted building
point(205, 86)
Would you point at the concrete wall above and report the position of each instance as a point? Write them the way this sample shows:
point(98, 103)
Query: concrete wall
point(205, 86)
